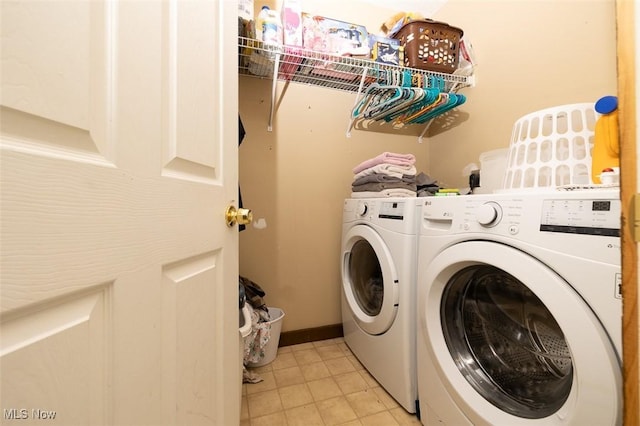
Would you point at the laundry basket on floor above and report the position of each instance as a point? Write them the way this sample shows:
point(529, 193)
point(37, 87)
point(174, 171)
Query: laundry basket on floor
point(271, 348)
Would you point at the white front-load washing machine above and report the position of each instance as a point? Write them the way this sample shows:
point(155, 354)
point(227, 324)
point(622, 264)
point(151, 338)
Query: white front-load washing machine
point(379, 250)
point(519, 309)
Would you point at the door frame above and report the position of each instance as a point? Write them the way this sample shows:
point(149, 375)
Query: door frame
point(627, 49)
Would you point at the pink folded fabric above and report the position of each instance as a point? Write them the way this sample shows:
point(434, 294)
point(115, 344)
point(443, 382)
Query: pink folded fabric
point(387, 158)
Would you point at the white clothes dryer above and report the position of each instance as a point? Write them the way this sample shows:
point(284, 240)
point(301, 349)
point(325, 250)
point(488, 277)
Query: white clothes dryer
point(519, 309)
point(379, 251)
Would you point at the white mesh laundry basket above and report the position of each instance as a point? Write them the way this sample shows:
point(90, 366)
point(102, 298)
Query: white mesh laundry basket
point(551, 148)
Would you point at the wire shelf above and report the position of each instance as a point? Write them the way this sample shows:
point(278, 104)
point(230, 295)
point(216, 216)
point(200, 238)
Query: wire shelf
point(345, 73)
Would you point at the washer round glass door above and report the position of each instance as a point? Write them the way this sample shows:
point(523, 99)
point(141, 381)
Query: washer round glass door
point(502, 337)
point(369, 280)
point(513, 341)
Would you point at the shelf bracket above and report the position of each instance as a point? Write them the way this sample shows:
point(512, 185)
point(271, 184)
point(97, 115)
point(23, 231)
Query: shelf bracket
point(424, 131)
point(352, 119)
point(274, 86)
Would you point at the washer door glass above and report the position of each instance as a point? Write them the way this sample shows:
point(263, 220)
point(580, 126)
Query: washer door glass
point(505, 342)
point(369, 280)
point(366, 278)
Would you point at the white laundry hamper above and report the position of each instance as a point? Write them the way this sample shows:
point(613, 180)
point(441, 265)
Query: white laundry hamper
point(271, 348)
point(244, 331)
point(551, 148)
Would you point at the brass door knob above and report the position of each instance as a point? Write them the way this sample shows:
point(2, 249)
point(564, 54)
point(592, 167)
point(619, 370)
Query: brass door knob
point(240, 216)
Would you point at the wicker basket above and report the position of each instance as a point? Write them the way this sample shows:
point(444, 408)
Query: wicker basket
point(430, 45)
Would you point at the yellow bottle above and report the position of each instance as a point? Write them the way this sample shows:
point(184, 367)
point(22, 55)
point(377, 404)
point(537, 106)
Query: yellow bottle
point(606, 147)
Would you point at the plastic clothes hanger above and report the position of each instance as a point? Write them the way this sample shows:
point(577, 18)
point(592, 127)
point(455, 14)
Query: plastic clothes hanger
point(447, 102)
point(409, 117)
point(433, 99)
point(418, 94)
point(383, 96)
point(374, 96)
point(428, 98)
point(409, 96)
point(454, 101)
point(417, 99)
point(389, 97)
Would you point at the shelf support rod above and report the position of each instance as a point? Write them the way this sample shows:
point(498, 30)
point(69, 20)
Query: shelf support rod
point(274, 86)
point(425, 130)
point(352, 119)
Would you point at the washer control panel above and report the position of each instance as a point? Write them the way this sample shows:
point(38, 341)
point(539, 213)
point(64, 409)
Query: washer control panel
point(503, 216)
point(586, 213)
point(594, 217)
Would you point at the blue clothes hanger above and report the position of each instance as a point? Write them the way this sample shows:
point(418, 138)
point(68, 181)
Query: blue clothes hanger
point(393, 97)
point(453, 101)
point(376, 96)
point(409, 96)
point(432, 98)
point(412, 98)
point(381, 98)
point(445, 102)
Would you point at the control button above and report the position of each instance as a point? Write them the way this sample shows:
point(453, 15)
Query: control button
point(362, 209)
point(489, 214)
point(513, 229)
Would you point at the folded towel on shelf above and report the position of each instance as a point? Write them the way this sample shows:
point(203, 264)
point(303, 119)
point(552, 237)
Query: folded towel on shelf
point(385, 193)
point(387, 158)
point(393, 170)
point(379, 186)
point(383, 177)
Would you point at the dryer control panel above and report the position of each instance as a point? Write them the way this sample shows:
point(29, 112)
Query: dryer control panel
point(392, 210)
point(390, 214)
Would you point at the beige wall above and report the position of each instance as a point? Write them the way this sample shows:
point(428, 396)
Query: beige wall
point(532, 54)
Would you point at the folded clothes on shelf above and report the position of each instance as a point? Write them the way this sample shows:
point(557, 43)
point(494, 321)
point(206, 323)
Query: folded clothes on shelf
point(392, 170)
point(385, 193)
point(386, 158)
point(388, 174)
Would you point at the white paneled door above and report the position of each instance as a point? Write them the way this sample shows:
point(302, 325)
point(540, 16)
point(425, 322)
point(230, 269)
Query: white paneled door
point(118, 286)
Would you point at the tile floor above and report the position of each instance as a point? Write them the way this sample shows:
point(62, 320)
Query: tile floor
point(319, 383)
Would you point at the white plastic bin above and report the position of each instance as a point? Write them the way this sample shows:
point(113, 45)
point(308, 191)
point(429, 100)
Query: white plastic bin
point(271, 348)
point(493, 165)
point(244, 331)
